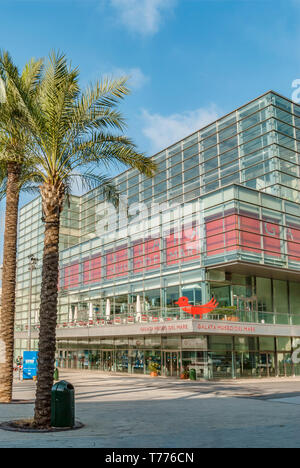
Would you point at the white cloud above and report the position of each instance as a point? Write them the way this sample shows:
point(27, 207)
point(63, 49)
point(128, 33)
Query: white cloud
point(137, 79)
point(142, 16)
point(163, 131)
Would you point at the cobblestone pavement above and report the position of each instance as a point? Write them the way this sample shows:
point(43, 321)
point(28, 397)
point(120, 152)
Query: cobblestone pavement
point(128, 411)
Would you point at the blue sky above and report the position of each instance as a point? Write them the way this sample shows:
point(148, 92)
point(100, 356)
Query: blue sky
point(190, 60)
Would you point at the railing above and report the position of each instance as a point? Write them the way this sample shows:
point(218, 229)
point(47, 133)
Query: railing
point(165, 315)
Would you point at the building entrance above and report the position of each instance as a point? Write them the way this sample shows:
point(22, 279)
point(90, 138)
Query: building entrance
point(171, 363)
point(266, 365)
point(285, 365)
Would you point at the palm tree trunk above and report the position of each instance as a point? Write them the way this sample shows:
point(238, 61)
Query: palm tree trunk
point(7, 314)
point(52, 200)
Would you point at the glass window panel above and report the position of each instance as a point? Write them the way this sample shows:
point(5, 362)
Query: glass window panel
point(176, 170)
point(294, 298)
point(190, 141)
point(264, 298)
point(283, 103)
point(289, 181)
point(228, 144)
point(296, 109)
point(226, 121)
point(248, 110)
point(229, 169)
point(159, 188)
point(190, 151)
point(208, 131)
point(241, 344)
point(175, 180)
point(266, 343)
point(232, 179)
point(217, 343)
point(162, 176)
point(252, 120)
point(255, 158)
point(192, 173)
point(133, 190)
point(282, 115)
point(147, 194)
point(171, 342)
point(211, 141)
point(227, 133)
point(175, 159)
point(281, 303)
point(191, 162)
point(253, 132)
point(286, 141)
point(284, 128)
point(211, 187)
point(254, 145)
point(287, 154)
point(284, 344)
point(172, 296)
point(229, 156)
point(174, 149)
point(210, 165)
point(210, 153)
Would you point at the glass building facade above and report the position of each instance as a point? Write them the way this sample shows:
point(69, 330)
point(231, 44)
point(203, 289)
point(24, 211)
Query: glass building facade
point(219, 219)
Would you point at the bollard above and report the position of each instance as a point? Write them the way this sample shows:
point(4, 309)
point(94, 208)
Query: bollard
point(56, 375)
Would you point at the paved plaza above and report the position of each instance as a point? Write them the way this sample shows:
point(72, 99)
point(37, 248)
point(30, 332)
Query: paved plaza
point(128, 411)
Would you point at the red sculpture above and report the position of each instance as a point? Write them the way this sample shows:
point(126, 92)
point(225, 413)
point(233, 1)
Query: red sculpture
point(183, 303)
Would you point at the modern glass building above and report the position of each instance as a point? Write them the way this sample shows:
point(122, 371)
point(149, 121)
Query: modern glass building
point(219, 220)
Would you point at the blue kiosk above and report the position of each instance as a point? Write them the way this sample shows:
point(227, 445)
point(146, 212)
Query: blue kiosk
point(30, 364)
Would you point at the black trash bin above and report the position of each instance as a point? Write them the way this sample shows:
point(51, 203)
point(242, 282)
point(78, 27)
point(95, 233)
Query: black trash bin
point(63, 405)
point(192, 374)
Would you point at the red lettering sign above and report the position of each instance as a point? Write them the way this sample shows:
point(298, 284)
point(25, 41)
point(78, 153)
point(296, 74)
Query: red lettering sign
point(71, 276)
point(117, 264)
point(92, 271)
point(183, 246)
point(146, 256)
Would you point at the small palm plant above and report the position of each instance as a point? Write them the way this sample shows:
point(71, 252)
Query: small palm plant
point(75, 134)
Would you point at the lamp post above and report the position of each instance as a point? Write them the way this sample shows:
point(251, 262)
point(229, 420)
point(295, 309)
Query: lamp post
point(32, 266)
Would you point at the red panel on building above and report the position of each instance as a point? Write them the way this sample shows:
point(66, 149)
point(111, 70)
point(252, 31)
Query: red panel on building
point(117, 264)
point(272, 244)
point(71, 277)
point(146, 256)
point(215, 237)
point(190, 248)
point(222, 235)
point(231, 225)
point(172, 246)
point(293, 243)
point(183, 248)
point(92, 271)
point(250, 237)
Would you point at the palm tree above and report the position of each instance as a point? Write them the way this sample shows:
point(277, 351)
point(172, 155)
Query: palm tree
point(76, 134)
point(13, 149)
